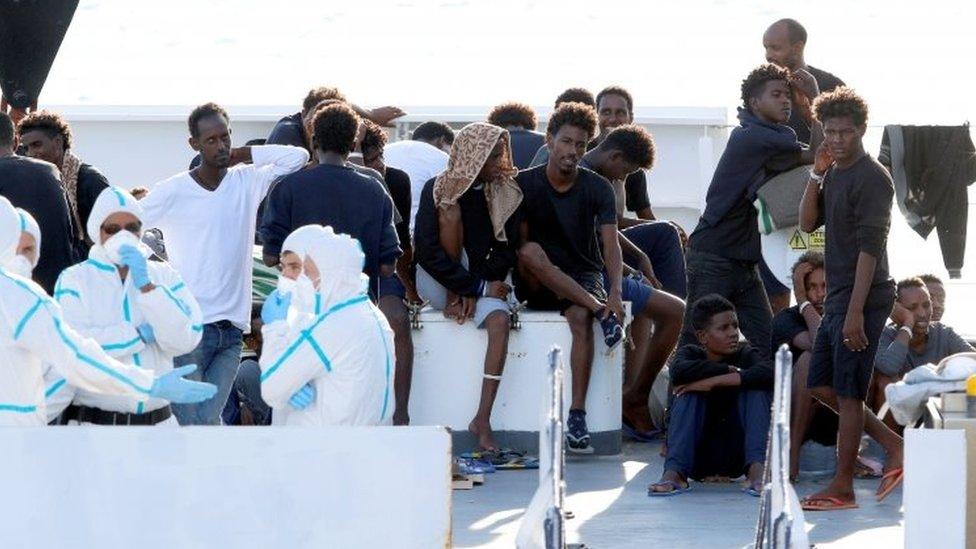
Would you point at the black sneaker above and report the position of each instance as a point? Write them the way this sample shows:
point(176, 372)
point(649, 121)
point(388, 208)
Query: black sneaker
point(577, 435)
point(613, 331)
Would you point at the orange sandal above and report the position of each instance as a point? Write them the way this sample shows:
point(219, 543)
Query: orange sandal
point(826, 503)
point(896, 476)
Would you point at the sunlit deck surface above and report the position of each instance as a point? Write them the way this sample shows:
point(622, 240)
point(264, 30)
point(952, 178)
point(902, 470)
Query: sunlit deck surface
point(608, 496)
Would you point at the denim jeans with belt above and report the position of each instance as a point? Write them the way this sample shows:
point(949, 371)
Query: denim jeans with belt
point(737, 281)
point(217, 358)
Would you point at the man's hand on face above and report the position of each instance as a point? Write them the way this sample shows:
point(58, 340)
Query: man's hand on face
point(823, 161)
point(799, 281)
point(384, 115)
point(902, 316)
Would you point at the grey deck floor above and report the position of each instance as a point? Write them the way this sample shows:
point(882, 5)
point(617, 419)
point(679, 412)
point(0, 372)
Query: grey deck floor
point(608, 497)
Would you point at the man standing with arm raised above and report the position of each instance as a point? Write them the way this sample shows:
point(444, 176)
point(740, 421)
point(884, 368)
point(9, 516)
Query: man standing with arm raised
point(208, 216)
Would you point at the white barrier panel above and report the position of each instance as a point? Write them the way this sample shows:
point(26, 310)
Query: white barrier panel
point(447, 374)
point(238, 487)
point(935, 488)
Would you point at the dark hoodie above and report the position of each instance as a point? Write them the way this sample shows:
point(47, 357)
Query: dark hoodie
point(728, 227)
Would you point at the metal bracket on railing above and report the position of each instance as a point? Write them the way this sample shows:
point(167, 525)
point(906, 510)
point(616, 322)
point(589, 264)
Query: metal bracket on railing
point(515, 320)
point(414, 309)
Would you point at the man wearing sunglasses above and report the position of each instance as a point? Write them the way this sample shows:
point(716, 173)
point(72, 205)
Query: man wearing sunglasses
point(140, 312)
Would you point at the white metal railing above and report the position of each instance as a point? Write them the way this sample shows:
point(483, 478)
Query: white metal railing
point(542, 524)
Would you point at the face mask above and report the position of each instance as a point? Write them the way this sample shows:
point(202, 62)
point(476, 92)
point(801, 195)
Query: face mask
point(19, 265)
point(302, 290)
point(120, 239)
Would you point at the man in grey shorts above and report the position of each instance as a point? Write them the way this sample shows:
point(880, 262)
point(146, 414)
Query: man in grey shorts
point(465, 248)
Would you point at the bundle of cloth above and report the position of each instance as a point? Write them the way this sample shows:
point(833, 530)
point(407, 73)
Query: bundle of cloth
point(907, 397)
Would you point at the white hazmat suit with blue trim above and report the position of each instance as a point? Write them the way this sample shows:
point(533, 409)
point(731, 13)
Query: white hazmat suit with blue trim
point(345, 353)
point(32, 332)
point(99, 304)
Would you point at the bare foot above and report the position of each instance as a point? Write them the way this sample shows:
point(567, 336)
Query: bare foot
point(755, 476)
point(670, 482)
point(401, 418)
point(636, 412)
point(832, 492)
point(482, 430)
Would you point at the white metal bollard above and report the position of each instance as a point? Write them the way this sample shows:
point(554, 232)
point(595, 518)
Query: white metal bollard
point(542, 524)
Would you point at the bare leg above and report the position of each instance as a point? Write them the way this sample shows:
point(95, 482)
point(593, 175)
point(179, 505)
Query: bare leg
point(878, 384)
point(802, 406)
point(497, 325)
point(451, 236)
point(666, 312)
point(396, 314)
point(534, 262)
point(581, 355)
point(856, 418)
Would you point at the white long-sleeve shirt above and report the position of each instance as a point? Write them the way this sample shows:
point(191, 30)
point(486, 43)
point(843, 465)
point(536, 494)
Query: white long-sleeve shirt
point(209, 235)
point(347, 355)
point(32, 332)
point(98, 304)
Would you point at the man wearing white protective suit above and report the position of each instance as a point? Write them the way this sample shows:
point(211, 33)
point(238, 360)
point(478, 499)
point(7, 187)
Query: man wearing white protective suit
point(32, 332)
point(140, 312)
point(338, 365)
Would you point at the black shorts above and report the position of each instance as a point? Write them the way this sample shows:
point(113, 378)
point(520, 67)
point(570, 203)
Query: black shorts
point(542, 298)
point(833, 364)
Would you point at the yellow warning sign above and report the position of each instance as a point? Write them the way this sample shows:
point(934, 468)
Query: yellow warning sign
point(817, 240)
point(797, 242)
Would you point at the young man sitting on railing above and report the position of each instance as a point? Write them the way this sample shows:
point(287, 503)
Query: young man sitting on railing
point(721, 410)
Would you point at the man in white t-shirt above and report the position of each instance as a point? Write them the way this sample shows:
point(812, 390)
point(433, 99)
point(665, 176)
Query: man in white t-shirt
point(208, 218)
point(424, 156)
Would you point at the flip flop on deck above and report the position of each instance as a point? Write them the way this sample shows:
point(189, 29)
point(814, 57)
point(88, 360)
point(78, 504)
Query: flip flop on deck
point(826, 503)
point(893, 479)
point(632, 433)
point(676, 489)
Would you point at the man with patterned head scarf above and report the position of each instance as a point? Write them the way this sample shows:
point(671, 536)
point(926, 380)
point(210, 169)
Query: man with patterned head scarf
point(466, 245)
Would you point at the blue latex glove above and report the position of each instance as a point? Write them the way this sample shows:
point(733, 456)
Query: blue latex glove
point(146, 333)
point(303, 398)
point(172, 387)
point(275, 307)
point(138, 267)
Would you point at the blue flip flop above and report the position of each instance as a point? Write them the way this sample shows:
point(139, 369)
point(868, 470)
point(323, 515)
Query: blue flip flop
point(676, 489)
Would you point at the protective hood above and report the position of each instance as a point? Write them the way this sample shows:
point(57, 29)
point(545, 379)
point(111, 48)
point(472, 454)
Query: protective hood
point(9, 230)
point(29, 225)
point(340, 260)
point(110, 201)
point(300, 239)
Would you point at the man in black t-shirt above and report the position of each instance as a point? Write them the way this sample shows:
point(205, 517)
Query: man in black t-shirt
point(569, 213)
point(47, 136)
point(34, 186)
point(850, 194)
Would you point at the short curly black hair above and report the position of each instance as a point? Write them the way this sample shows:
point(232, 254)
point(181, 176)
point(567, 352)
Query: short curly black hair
point(840, 103)
point(814, 258)
point(374, 138)
point(49, 122)
point(573, 114)
point(616, 90)
point(705, 308)
point(930, 278)
point(204, 111)
point(514, 114)
point(576, 95)
point(911, 282)
point(320, 94)
point(755, 84)
point(334, 128)
point(634, 142)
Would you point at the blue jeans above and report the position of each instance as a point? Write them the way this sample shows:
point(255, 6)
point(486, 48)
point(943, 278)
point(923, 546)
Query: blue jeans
point(660, 241)
point(688, 414)
point(247, 393)
point(217, 358)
